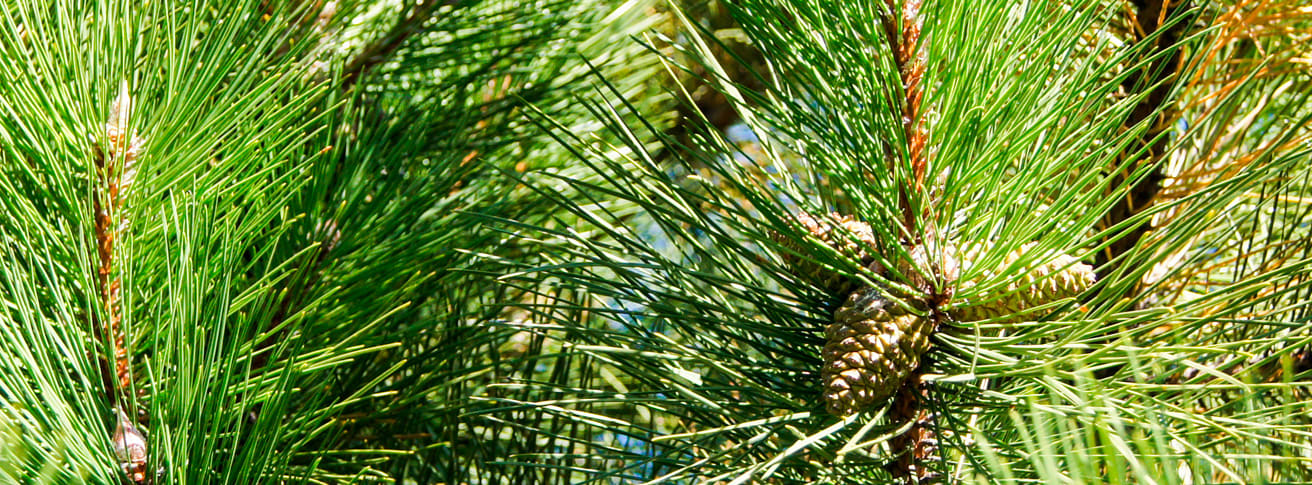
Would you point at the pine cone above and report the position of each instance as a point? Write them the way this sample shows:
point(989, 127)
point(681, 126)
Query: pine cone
point(1061, 276)
point(941, 259)
point(842, 240)
point(871, 348)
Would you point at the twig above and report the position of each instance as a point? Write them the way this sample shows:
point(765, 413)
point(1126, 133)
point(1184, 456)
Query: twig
point(918, 446)
point(743, 64)
point(373, 54)
point(903, 35)
point(116, 171)
point(295, 291)
point(1271, 372)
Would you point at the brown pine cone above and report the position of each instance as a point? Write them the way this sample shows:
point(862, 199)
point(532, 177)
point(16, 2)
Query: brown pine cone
point(871, 348)
point(848, 236)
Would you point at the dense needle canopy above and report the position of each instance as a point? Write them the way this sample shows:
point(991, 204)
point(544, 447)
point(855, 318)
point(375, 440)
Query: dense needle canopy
point(470, 242)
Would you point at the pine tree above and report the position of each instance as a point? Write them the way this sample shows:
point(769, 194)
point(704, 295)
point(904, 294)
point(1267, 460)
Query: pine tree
point(242, 240)
point(471, 242)
point(966, 241)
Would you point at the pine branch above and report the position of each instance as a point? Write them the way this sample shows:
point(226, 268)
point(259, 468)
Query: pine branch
point(903, 34)
point(1159, 78)
point(372, 55)
point(908, 466)
point(382, 49)
point(742, 62)
point(918, 446)
point(1300, 361)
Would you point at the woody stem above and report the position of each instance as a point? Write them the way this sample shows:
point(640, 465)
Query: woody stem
point(1157, 79)
point(903, 34)
point(106, 204)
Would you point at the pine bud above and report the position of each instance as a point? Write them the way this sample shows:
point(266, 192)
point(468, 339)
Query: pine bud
point(939, 259)
point(124, 148)
point(130, 448)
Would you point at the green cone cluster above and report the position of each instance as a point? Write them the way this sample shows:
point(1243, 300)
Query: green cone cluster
point(848, 236)
point(1056, 276)
point(870, 349)
point(874, 344)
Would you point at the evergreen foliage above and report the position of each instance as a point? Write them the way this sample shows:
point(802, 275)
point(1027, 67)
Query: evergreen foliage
point(489, 241)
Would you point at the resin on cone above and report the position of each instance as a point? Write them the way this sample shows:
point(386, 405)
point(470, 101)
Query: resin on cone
point(870, 350)
point(850, 237)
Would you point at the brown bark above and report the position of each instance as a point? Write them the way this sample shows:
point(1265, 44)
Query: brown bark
point(903, 34)
point(115, 173)
point(919, 446)
point(1158, 79)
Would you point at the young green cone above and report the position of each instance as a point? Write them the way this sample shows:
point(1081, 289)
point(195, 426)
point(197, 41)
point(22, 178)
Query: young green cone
point(848, 236)
point(874, 345)
point(1058, 276)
